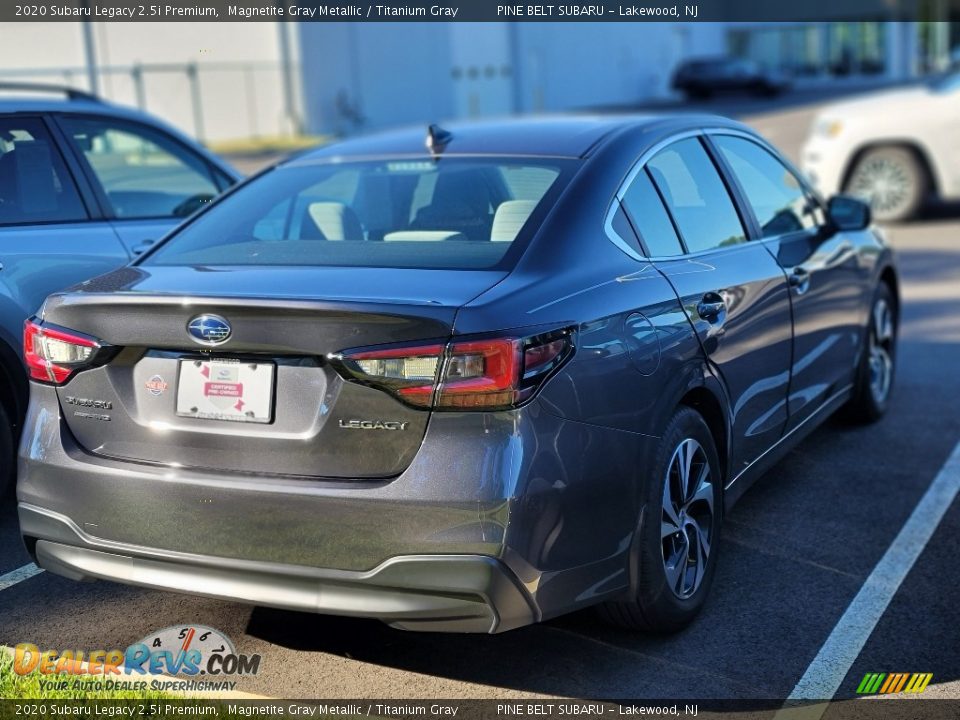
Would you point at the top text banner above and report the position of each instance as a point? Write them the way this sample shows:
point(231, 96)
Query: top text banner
point(465, 11)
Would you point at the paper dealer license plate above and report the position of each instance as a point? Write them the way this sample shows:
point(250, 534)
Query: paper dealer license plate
point(226, 390)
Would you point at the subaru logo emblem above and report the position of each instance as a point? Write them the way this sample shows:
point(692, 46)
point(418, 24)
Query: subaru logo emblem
point(209, 329)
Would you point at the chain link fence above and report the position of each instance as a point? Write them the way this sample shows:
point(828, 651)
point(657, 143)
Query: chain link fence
point(215, 102)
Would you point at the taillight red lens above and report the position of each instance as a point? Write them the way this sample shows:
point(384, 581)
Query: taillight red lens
point(482, 374)
point(539, 357)
point(53, 355)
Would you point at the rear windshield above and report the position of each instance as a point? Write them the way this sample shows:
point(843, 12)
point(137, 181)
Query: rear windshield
point(451, 213)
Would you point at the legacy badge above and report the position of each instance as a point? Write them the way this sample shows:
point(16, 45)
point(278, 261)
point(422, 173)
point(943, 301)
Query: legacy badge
point(374, 424)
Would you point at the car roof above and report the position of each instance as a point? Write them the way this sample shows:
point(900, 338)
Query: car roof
point(12, 103)
point(571, 136)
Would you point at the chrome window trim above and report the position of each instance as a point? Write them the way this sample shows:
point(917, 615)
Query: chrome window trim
point(641, 163)
point(631, 175)
point(779, 157)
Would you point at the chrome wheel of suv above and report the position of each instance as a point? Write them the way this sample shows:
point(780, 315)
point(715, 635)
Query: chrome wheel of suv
point(891, 181)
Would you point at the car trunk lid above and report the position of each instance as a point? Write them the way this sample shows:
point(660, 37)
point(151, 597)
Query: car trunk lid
point(268, 400)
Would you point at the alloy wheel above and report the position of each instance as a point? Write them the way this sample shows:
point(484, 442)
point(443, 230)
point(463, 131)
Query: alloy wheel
point(884, 183)
point(687, 518)
point(881, 351)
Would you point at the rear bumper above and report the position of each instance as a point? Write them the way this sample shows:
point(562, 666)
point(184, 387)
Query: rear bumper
point(447, 593)
point(498, 506)
point(450, 501)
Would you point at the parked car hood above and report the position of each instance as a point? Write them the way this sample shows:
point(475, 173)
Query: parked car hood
point(899, 100)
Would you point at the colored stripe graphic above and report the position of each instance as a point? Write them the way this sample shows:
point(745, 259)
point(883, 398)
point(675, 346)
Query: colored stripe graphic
point(890, 683)
point(871, 683)
point(887, 684)
point(901, 681)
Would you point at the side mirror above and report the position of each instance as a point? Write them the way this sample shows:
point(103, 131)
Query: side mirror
point(849, 213)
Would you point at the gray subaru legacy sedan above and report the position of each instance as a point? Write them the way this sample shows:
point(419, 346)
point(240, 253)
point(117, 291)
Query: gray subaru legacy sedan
point(459, 379)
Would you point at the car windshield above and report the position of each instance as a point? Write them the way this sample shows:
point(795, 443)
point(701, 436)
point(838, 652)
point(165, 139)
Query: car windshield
point(450, 213)
point(947, 83)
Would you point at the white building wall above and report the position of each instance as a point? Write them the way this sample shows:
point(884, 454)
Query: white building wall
point(565, 66)
point(427, 72)
point(386, 74)
point(236, 102)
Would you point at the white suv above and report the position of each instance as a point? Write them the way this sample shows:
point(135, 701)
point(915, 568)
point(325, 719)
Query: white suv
point(896, 149)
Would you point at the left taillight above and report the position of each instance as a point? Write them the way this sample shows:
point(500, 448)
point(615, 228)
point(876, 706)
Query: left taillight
point(54, 354)
point(489, 373)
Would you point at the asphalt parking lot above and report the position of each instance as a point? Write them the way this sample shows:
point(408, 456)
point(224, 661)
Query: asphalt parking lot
point(795, 552)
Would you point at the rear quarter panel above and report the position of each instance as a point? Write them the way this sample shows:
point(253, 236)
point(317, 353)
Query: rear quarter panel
point(596, 422)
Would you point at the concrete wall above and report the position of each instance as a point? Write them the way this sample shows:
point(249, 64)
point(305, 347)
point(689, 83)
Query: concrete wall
point(235, 102)
point(396, 74)
point(563, 66)
point(367, 76)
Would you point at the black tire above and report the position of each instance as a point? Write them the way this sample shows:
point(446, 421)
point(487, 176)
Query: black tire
point(663, 602)
point(8, 459)
point(892, 180)
point(878, 361)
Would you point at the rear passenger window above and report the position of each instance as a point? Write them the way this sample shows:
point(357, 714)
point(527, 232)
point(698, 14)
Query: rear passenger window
point(696, 196)
point(35, 186)
point(143, 172)
point(649, 218)
point(776, 196)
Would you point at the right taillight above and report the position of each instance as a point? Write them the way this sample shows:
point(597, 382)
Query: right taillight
point(53, 354)
point(492, 373)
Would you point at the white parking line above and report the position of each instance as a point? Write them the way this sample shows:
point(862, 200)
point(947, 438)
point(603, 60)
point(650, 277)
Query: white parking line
point(828, 669)
point(19, 575)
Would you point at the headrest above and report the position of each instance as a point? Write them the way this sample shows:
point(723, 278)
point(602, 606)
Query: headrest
point(509, 218)
point(333, 220)
point(423, 236)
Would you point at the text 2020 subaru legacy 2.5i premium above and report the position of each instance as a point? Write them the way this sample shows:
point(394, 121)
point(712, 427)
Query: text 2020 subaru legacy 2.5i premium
point(463, 387)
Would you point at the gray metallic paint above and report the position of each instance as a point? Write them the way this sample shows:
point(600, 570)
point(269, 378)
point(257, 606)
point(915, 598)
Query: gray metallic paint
point(553, 489)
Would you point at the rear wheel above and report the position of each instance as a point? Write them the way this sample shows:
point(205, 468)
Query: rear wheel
point(875, 374)
point(892, 180)
point(679, 536)
point(8, 461)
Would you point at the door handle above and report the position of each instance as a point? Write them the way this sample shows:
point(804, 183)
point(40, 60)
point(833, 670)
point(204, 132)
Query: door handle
point(800, 280)
point(711, 307)
point(142, 247)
